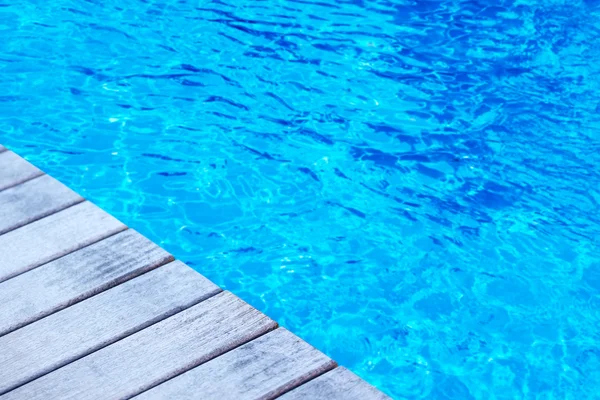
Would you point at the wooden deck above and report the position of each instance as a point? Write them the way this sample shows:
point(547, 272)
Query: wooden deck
point(90, 309)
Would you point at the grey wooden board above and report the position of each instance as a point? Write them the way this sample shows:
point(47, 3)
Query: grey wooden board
point(33, 200)
point(76, 276)
point(15, 170)
point(339, 384)
point(262, 369)
point(54, 236)
point(79, 330)
point(150, 357)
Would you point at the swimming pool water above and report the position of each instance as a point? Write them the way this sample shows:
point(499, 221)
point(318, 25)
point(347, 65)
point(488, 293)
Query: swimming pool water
point(412, 186)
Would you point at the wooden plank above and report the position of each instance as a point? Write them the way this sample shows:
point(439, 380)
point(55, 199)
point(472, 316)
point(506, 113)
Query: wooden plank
point(154, 355)
point(32, 200)
point(75, 277)
point(15, 170)
point(54, 236)
point(262, 369)
point(339, 384)
point(79, 330)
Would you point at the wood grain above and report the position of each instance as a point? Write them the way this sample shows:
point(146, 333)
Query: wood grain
point(91, 310)
point(79, 330)
point(261, 369)
point(75, 277)
point(154, 355)
point(339, 384)
point(54, 236)
point(15, 170)
point(32, 200)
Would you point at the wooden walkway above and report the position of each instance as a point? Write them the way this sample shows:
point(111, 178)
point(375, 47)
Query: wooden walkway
point(92, 310)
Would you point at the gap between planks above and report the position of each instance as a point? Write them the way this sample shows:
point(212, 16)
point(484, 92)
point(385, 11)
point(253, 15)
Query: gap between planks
point(68, 335)
point(15, 170)
point(33, 200)
point(75, 277)
point(263, 368)
point(53, 237)
point(179, 343)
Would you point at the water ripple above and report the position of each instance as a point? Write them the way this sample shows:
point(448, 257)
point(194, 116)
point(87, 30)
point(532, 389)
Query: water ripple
point(411, 186)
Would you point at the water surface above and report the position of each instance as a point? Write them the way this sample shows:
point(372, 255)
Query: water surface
point(411, 186)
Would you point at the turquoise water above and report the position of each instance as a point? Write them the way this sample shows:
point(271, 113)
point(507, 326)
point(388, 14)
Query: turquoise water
point(411, 186)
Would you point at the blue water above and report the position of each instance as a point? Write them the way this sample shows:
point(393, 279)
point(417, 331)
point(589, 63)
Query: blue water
point(412, 186)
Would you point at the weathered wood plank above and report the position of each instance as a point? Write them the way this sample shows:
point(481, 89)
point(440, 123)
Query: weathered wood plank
point(72, 333)
point(339, 384)
point(150, 357)
point(15, 170)
point(54, 236)
point(261, 369)
point(32, 200)
point(75, 277)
